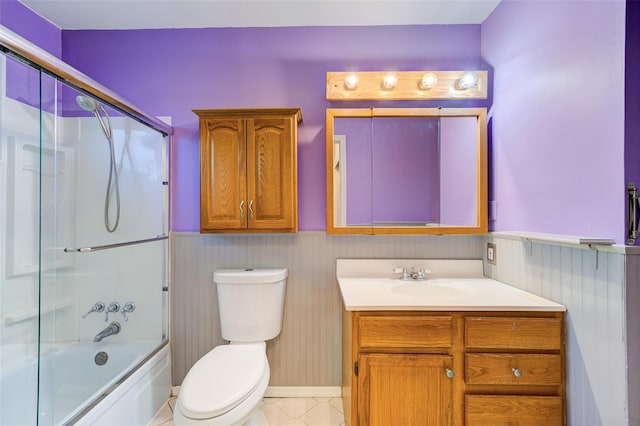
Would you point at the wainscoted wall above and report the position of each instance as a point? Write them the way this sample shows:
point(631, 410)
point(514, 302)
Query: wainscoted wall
point(592, 285)
point(633, 335)
point(603, 332)
point(307, 352)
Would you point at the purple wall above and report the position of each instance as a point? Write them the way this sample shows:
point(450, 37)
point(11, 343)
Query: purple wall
point(26, 23)
point(558, 116)
point(170, 72)
point(632, 98)
point(23, 83)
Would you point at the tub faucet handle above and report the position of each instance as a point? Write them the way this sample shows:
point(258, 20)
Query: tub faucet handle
point(113, 307)
point(126, 308)
point(98, 307)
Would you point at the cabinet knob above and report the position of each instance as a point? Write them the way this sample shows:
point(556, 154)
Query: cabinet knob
point(449, 373)
point(251, 209)
point(516, 372)
point(241, 209)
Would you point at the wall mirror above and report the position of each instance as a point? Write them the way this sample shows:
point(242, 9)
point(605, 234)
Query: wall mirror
point(406, 171)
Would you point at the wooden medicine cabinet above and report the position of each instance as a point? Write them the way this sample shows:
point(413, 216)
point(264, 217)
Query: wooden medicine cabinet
point(406, 170)
point(248, 170)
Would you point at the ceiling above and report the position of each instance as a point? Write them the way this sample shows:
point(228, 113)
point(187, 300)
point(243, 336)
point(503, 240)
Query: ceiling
point(145, 14)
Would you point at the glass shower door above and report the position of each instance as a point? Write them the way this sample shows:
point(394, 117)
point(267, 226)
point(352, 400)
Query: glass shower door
point(19, 240)
point(104, 249)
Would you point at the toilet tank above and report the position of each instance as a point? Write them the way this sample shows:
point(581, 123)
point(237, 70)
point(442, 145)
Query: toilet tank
point(251, 303)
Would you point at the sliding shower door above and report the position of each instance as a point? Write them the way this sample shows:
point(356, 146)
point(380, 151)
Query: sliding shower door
point(19, 241)
point(83, 236)
point(104, 230)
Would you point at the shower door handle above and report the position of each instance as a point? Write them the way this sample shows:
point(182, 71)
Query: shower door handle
point(241, 209)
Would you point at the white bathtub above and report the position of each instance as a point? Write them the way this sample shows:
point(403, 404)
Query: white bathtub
point(70, 378)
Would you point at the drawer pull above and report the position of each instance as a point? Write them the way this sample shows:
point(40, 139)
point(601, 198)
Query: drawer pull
point(241, 209)
point(449, 373)
point(517, 372)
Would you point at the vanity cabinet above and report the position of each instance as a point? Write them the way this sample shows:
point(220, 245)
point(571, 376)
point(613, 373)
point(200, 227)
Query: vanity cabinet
point(248, 170)
point(453, 368)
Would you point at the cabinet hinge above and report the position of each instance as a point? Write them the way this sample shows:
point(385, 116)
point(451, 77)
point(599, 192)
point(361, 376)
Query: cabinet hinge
point(355, 368)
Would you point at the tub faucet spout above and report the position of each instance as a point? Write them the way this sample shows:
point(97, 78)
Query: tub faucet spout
point(113, 328)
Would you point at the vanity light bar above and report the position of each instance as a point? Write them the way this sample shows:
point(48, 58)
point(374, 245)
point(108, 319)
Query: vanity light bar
point(406, 85)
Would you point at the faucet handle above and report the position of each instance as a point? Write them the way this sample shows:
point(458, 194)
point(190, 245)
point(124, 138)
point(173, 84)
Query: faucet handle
point(126, 308)
point(402, 271)
point(98, 307)
point(422, 273)
point(113, 307)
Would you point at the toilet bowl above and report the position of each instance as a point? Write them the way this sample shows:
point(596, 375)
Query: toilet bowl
point(226, 385)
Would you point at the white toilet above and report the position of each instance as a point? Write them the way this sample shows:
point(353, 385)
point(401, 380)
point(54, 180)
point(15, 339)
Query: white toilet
point(225, 386)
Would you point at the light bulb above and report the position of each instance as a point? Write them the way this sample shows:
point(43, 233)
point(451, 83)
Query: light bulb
point(351, 81)
point(428, 81)
point(468, 80)
point(389, 81)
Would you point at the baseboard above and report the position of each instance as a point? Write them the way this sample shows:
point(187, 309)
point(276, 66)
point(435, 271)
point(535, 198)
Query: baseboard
point(303, 392)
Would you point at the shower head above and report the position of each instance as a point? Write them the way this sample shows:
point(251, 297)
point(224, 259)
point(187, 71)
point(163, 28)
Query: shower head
point(87, 103)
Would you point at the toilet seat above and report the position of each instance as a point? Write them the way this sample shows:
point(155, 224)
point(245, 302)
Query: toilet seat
point(222, 379)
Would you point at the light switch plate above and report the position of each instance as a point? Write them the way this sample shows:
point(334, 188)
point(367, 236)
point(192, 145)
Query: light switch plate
point(491, 253)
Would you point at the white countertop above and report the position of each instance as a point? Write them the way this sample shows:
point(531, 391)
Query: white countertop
point(454, 285)
point(443, 294)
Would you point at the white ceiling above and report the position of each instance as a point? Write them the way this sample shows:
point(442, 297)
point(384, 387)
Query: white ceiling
point(142, 14)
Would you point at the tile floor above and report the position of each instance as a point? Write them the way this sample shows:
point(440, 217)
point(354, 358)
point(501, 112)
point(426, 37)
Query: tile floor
point(280, 412)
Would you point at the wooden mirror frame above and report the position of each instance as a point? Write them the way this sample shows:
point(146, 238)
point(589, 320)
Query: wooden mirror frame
point(481, 146)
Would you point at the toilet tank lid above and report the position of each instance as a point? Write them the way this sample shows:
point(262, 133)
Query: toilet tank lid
point(249, 276)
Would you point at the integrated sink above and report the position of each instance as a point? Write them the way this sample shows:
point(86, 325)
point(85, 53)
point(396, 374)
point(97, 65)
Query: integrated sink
point(453, 285)
point(424, 290)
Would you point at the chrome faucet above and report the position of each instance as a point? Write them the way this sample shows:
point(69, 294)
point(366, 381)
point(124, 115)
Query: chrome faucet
point(113, 328)
point(419, 275)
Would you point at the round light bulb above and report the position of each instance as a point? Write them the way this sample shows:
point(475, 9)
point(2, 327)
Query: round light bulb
point(428, 81)
point(468, 80)
point(389, 81)
point(351, 81)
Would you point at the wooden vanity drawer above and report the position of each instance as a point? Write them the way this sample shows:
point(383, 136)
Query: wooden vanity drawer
point(405, 331)
point(513, 369)
point(513, 333)
point(507, 410)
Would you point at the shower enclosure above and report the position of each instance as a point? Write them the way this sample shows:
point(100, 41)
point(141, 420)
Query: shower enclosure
point(83, 238)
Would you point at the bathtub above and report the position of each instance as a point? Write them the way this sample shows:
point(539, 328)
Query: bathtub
point(74, 390)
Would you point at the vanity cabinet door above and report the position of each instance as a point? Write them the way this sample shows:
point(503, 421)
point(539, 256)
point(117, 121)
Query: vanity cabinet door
point(403, 389)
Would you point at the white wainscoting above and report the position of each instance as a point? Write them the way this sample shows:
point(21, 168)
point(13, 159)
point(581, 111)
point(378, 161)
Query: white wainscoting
point(591, 284)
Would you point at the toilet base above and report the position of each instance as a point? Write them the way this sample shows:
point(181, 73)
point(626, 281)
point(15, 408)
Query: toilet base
point(257, 419)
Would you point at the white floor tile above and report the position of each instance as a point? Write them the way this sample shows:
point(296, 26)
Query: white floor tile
point(296, 407)
point(280, 412)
